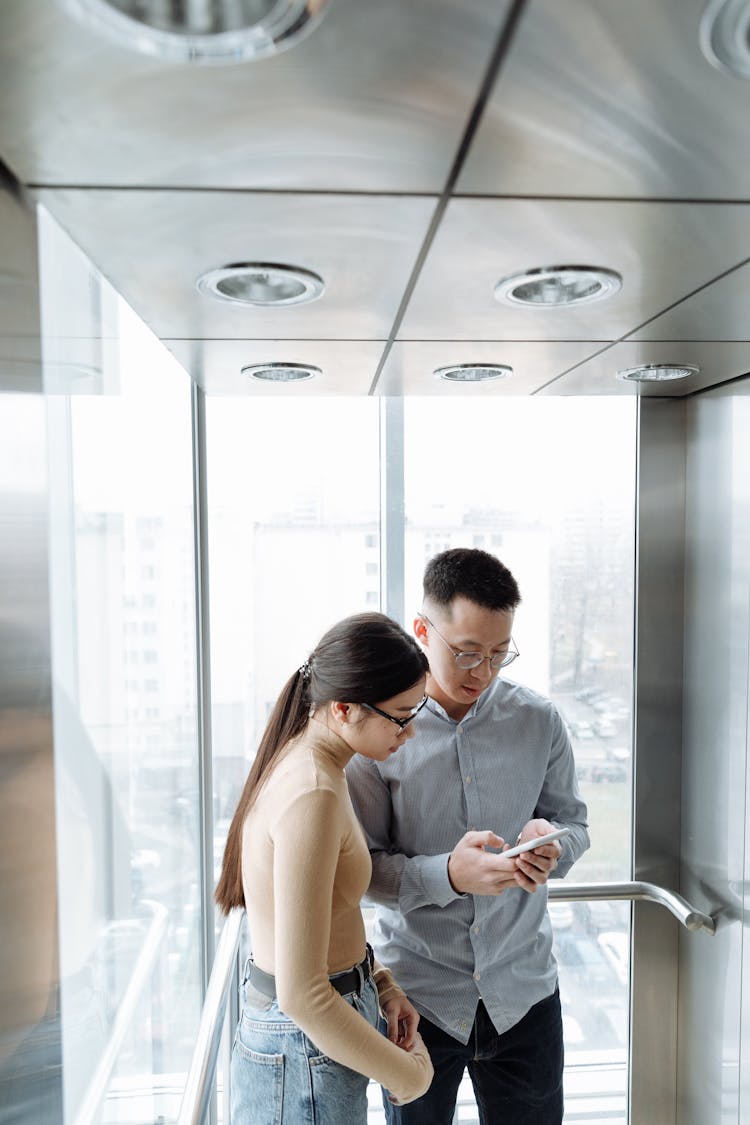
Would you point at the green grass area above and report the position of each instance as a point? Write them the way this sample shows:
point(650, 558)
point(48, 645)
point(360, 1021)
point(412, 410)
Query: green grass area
point(608, 859)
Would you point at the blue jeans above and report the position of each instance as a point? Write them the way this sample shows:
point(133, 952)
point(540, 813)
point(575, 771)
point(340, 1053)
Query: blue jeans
point(517, 1076)
point(279, 1077)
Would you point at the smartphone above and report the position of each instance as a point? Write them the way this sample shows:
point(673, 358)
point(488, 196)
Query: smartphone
point(529, 845)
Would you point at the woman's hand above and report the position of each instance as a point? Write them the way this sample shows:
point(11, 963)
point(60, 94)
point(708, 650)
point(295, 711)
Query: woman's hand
point(403, 1019)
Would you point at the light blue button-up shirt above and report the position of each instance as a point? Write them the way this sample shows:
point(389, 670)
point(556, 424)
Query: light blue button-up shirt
point(507, 761)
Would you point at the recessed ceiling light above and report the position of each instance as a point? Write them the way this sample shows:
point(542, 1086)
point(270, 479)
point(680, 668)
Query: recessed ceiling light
point(657, 372)
point(473, 372)
point(224, 31)
point(262, 284)
point(557, 286)
point(281, 372)
point(725, 36)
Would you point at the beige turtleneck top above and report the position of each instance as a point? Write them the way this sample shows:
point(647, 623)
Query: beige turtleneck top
point(305, 868)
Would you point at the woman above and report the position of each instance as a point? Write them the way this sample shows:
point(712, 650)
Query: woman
point(297, 859)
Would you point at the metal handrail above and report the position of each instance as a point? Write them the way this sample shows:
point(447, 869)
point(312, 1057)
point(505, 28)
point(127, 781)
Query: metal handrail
point(96, 1090)
point(649, 892)
point(200, 1079)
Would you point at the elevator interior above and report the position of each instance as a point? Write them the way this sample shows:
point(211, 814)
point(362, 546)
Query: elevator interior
point(413, 157)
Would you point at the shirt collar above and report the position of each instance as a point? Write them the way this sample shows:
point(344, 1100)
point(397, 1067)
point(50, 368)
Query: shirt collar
point(475, 709)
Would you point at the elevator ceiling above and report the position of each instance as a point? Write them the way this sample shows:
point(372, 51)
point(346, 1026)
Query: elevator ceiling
point(412, 153)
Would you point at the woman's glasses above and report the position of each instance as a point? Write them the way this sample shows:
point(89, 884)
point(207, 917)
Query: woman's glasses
point(400, 723)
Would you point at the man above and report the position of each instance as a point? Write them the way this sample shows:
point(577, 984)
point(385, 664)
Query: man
point(466, 931)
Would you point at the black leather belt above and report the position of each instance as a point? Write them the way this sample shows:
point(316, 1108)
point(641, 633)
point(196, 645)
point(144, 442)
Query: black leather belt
point(351, 980)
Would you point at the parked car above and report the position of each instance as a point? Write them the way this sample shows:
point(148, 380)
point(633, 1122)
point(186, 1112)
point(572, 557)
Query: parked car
point(584, 960)
point(603, 915)
point(609, 771)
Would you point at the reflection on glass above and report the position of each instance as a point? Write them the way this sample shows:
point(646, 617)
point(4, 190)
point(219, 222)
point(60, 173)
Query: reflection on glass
point(126, 768)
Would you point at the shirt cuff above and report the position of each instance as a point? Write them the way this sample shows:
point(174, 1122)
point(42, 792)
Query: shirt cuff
point(425, 882)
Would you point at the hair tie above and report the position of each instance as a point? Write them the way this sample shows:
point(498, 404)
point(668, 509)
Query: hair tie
point(305, 670)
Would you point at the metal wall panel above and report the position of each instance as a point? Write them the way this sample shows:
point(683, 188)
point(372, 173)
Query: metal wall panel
point(30, 1047)
point(20, 351)
point(658, 713)
point(714, 1023)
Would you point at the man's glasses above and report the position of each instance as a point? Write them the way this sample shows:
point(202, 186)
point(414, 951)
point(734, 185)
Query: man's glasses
point(400, 723)
point(467, 660)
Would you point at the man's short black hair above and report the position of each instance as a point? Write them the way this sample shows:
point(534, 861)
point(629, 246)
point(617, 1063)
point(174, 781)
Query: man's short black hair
point(473, 574)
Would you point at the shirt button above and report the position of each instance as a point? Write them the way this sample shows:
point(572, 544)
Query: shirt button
point(468, 779)
point(462, 1027)
point(477, 976)
point(476, 929)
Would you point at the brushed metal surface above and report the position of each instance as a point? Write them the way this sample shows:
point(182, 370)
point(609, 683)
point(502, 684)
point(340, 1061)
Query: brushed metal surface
point(374, 100)
point(679, 908)
point(657, 752)
point(30, 1042)
point(30, 1039)
point(604, 98)
point(663, 252)
point(411, 363)
point(347, 366)
point(152, 246)
point(718, 312)
point(213, 34)
point(714, 1069)
point(718, 362)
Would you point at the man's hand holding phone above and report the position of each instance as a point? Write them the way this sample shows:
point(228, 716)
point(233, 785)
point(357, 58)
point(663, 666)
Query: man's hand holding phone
point(538, 851)
point(474, 870)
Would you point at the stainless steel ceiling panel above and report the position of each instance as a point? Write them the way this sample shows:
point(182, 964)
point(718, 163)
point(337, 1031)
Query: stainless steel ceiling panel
point(376, 99)
point(663, 251)
point(347, 367)
point(410, 367)
point(612, 98)
point(718, 362)
point(721, 311)
point(153, 245)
